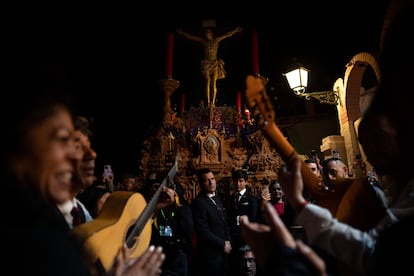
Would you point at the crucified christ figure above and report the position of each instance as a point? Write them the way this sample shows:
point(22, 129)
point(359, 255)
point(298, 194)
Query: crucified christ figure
point(212, 67)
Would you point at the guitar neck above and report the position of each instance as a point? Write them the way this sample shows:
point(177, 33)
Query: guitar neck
point(287, 152)
point(150, 207)
point(259, 100)
point(346, 199)
point(279, 142)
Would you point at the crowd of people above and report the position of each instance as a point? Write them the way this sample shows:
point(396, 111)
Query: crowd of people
point(385, 136)
point(50, 187)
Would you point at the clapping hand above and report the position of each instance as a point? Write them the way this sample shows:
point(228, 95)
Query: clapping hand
point(148, 264)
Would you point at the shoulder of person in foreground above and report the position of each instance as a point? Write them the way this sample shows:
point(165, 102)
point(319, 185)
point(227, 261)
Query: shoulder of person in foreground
point(390, 256)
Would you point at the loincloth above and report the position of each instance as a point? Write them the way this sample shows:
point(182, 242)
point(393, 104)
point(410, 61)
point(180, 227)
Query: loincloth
point(209, 67)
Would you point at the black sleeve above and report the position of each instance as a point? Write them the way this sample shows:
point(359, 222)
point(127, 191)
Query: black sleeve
point(186, 222)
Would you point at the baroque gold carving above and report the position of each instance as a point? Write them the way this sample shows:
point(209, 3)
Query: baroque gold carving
point(212, 148)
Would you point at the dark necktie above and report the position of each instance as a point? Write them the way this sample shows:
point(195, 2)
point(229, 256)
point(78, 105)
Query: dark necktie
point(77, 215)
point(218, 204)
point(238, 196)
point(237, 199)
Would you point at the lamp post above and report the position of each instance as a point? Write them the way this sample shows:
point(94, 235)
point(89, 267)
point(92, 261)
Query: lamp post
point(298, 82)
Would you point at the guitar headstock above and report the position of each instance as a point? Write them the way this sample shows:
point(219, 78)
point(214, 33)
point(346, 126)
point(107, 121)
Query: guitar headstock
point(258, 99)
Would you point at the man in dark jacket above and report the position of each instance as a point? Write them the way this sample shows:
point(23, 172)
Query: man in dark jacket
point(211, 228)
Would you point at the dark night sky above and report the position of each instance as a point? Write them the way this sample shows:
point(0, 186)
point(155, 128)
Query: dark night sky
point(112, 57)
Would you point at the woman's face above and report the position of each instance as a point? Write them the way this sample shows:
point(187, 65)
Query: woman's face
point(276, 191)
point(52, 156)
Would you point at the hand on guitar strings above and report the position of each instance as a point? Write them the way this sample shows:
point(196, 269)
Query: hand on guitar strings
point(148, 264)
point(167, 198)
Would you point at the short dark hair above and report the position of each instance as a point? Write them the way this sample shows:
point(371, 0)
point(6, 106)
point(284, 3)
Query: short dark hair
point(201, 172)
point(127, 176)
point(239, 174)
point(310, 160)
point(83, 124)
point(245, 248)
point(330, 159)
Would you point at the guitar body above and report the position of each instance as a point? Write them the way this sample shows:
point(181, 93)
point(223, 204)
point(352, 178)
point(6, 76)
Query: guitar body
point(124, 219)
point(103, 237)
point(360, 206)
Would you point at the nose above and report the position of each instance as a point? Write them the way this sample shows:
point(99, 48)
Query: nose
point(89, 153)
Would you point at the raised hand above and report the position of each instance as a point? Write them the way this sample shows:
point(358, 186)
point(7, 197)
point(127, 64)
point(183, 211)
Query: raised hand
point(266, 239)
point(148, 264)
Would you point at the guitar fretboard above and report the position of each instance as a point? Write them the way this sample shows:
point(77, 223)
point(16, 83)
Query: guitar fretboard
point(150, 207)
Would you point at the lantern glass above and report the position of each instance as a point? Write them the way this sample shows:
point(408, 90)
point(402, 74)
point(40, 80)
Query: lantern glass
point(298, 79)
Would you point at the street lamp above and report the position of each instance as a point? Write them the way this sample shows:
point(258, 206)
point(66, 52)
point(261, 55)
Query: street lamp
point(298, 82)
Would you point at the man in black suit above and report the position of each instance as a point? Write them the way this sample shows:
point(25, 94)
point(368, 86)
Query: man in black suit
point(212, 233)
point(242, 203)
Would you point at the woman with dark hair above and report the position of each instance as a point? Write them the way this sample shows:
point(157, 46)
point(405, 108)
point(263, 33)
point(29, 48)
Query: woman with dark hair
point(39, 163)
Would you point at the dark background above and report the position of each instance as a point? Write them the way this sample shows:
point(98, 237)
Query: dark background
point(112, 57)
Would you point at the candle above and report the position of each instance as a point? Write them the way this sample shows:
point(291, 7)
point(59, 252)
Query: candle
point(170, 46)
point(247, 112)
point(182, 103)
point(238, 102)
point(255, 53)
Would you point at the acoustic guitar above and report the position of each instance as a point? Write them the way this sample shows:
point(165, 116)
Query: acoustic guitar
point(125, 218)
point(352, 201)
